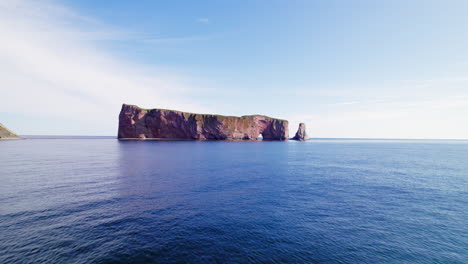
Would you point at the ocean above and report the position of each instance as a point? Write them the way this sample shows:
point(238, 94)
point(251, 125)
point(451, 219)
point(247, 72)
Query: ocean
point(85, 200)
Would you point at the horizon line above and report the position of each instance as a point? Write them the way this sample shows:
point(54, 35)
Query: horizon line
point(319, 138)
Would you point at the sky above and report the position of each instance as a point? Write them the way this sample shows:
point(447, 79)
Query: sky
point(348, 69)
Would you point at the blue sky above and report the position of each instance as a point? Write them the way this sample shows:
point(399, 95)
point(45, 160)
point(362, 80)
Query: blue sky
point(378, 69)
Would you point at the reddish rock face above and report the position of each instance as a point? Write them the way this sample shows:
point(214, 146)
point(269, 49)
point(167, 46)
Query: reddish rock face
point(138, 123)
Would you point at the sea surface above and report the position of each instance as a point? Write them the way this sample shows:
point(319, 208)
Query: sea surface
point(98, 200)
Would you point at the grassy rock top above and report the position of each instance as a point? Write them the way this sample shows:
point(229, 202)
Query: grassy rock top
point(201, 116)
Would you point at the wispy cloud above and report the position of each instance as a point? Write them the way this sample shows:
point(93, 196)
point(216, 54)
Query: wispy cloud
point(434, 118)
point(50, 65)
point(203, 20)
point(347, 103)
point(173, 40)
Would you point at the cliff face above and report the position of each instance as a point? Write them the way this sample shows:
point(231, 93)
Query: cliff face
point(5, 133)
point(138, 123)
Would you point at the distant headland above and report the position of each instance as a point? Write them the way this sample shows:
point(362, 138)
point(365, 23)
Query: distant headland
point(139, 123)
point(5, 133)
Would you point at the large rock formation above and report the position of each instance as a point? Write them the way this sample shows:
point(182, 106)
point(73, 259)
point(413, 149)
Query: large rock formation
point(301, 134)
point(138, 123)
point(5, 133)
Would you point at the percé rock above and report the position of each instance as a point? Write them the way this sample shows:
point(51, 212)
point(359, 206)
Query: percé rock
point(138, 123)
point(5, 133)
point(301, 134)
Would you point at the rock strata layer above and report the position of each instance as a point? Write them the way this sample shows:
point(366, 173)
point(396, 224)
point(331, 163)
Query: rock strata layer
point(139, 123)
point(5, 133)
point(301, 134)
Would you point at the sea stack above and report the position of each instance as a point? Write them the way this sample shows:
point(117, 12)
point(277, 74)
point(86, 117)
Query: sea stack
point(301, 134)
point(139, 123)
point(5, 133)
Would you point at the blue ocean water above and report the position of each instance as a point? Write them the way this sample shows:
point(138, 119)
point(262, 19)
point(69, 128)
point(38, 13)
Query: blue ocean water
point(322, 201)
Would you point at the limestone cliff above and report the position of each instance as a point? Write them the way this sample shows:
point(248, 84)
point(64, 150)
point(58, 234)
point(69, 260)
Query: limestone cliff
point(5, 133)
point(301, 134)
point(138, 123)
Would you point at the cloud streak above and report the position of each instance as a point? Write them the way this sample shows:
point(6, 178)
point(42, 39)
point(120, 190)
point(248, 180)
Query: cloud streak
point(51, 65)
point(203, 20)
point(432, 119)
